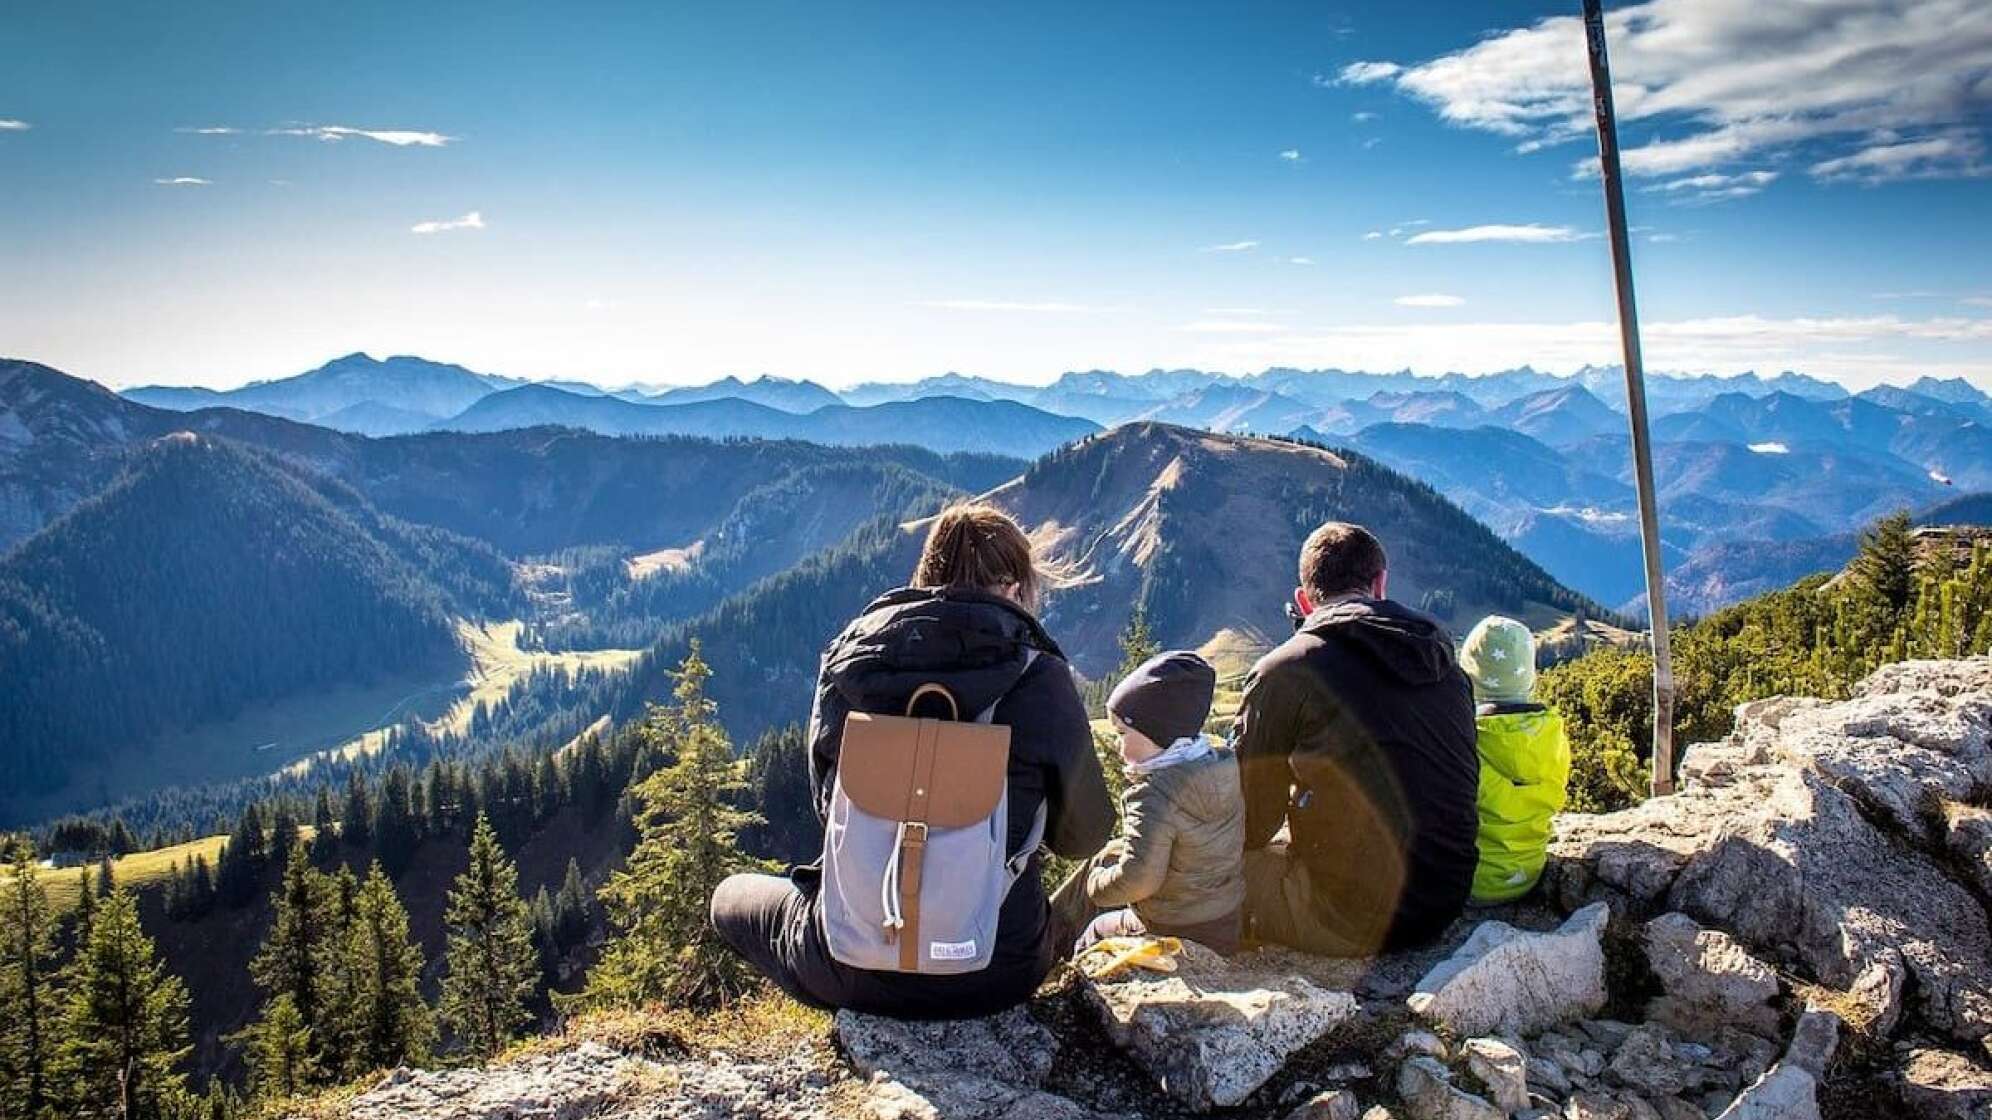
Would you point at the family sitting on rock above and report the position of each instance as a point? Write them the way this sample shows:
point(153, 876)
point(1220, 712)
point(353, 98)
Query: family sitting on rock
point(1375, 784)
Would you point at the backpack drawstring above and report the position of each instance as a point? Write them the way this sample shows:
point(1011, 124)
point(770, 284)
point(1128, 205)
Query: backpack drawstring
point(895, 919)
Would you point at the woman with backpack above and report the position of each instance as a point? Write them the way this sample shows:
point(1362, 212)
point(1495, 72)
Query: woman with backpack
point(928, 903)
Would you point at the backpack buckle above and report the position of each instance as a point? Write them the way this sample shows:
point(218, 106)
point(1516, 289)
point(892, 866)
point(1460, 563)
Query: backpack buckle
point(913, 834)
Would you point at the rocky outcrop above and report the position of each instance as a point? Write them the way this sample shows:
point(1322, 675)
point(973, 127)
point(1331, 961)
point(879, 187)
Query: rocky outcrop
point(1213, 1031)
point(1707, 979)
point(1812, 835)
point(1504, 979)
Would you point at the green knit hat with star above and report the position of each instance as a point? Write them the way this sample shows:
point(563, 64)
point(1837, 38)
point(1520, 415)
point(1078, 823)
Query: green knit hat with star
point(1500, 659)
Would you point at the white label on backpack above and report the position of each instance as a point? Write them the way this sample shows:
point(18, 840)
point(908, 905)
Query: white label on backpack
point(951, 950)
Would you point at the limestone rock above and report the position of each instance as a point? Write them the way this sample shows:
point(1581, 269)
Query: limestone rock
point(1708, 979)
point(1504, 979)
point(1805, 837)
point(1214, 1031)
point(1790, 1090)
point(1941, 1085)
point(1010, 1048)
point(1501, 1068)
point(965, 1097)
point(1547, 1077)
point(1968, 836)
point(1335, 1104)
point(1591, 1105)
point(1648, 1065)
point(1785, 1093)
point(564, 1086)
point(1425, 1086)
point(1414, 1042)
point(1878, 991)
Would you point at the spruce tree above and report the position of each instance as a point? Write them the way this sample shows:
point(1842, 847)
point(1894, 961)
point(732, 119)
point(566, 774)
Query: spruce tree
point(281, 1051)
point(126, 1021)
point(665, 949)
point(296, 965)
point(324, 830)
point(30, 1000)
point(493, 968)
point(395, 832)
point(356, 821)
point(1885, 567)
point(1137, 644)
point(388, 1023)
point(86, 908)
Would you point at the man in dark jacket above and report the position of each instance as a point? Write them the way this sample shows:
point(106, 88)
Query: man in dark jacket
point(1357, 734)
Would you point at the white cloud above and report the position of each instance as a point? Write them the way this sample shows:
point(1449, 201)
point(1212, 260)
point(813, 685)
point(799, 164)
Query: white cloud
point(210, 130)
point(1255, 311)
point(8, 124)
point(472, 220)
point(1770, 447)
point(1976, 301)
point(1048, 307)
point(1531, 234)
point(1661, 238)
point(1372, 235)
point(1715, 186)
point(184, 181)
point(1300, 260)
point(1231, 247)
point(1363, 117)
point(1291, 155)
point(400, 138)
point(1429, 299)
point(1953, 155)
point(1365, 73)
point(1710, 83)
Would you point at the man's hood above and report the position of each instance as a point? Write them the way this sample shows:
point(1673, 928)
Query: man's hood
point(1409, 643)
point(975, 644)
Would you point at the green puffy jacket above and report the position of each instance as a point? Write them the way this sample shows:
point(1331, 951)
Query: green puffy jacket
point(1524, 781)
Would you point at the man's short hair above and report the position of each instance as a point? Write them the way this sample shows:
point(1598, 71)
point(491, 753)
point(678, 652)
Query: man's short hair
point(1340, 557)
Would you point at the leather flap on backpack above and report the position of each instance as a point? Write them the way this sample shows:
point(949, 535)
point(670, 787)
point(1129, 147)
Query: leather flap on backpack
point(944, 774)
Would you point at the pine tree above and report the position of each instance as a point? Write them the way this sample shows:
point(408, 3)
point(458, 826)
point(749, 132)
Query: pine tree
point(493, 968)
point(126, 1021)
point(356, 821)
point(1137, 644)
point(324, 830)
point(394, 827)
point(298, 960)
point(30, 1000)
point(388, 1023)
point(665, 949)
point(1886, 565)
point(86, 907)
point(280, 1049)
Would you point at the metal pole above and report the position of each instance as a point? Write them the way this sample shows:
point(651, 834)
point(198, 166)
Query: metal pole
point(1635, 398)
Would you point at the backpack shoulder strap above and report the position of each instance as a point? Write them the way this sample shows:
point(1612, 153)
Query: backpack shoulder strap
point(1016, 865)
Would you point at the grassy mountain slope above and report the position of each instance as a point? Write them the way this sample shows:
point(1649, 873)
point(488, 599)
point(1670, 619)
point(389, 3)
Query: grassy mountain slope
point(206, 578)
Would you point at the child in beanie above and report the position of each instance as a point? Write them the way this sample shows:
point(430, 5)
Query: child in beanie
point(1524, 759)
point(1178, 867)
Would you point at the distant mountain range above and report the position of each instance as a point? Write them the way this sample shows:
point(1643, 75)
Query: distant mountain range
point(1741, 458)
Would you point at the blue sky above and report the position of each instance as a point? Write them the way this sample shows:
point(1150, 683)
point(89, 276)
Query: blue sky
point(665, 194)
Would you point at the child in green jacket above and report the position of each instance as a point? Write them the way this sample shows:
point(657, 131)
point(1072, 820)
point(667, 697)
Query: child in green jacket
point(1524, 759)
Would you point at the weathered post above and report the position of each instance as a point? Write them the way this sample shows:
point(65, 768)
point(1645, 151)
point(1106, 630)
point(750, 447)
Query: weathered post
point(1635, 397)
